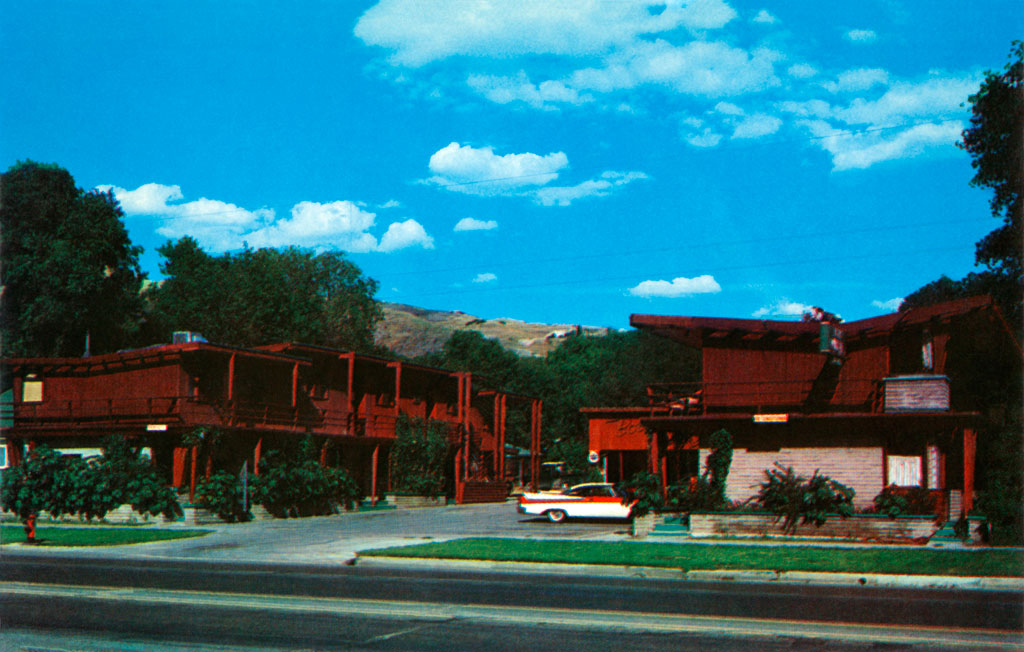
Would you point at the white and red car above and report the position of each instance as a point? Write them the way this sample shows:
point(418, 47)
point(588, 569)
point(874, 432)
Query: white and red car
point(590, 500)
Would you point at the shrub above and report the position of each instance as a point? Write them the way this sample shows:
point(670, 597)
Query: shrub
point(894, 501)
point(645, 489)
point(344, 489)
point(222, 495)
point(121, 477)
point(695, 495)
point(38, 484)
point(718, 463)
point(798, 500)
point(418, 456)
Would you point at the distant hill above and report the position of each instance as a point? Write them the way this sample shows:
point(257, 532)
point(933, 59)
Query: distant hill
point(413, 331)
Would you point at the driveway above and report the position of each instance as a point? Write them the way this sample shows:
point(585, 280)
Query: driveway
point(336, 539)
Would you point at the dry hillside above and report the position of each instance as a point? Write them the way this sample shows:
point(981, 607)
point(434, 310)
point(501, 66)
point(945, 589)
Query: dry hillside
point(412, 331)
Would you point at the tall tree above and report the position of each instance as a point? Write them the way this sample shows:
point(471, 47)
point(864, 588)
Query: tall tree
point(70, 271)
point(261, 296)
point(995, 141)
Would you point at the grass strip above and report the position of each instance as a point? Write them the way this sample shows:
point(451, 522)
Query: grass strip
point(892, 560)
point(95, 535)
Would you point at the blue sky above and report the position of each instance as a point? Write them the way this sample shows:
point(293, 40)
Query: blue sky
point(548, 161)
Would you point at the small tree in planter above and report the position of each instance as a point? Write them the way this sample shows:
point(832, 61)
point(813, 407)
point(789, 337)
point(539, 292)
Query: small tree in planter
point(222, 495)
point(894, 501)
point(643, 493)
point(417, 456)
point(798, 500)
point(123, 477)
point(39, 484)
point(707, 492)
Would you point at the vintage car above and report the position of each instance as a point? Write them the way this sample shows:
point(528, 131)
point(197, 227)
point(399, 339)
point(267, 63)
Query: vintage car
point(590, 500)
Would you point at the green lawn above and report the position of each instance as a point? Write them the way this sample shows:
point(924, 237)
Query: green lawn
point(95, 535)
point(902, 561)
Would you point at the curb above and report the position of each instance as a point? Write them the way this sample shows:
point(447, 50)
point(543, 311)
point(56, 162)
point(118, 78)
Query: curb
point(1015, 584)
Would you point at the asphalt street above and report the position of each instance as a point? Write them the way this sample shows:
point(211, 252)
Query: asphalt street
point(290, 584)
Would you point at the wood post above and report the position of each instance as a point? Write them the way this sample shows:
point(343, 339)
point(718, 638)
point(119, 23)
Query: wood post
point(178, 466)
point(231, 377)
point(970, 445)
point(192, 479)
point(256, 454)
point(373, 474)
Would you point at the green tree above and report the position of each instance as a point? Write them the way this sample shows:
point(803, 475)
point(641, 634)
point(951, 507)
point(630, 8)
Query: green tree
point(36, 485)
point(70, 270)
point(417, 457)
point(995, 142)
point(261, 296)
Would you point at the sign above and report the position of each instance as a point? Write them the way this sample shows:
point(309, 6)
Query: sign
point(771, 418)
point(594, 457)
point(156, 427)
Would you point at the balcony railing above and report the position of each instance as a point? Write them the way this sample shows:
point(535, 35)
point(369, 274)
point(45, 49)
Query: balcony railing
point(695, 398)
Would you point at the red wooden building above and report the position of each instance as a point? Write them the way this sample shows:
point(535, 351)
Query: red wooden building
point(898, 399)
point(258, 400)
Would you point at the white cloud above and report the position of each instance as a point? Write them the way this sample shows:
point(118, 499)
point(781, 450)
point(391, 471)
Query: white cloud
point(861, 35)
point(892, 305)
point(482, 172)
point(701, 68)
point(312, 224)
point(765, 18)
point(485, 277)
point(600, 187)
point(214, 224)
point(471, 224)
point(705, 138)
point(678, 287)
point(908, 119)
point(860, 79)
point(391, 203)
point(546, 95)
point(782, 308)
point(931, 98)
point(859, 150)
point(728, 108)
point(807, 109)
point(402, 235)
point(419, 33)
point(756, 126)
point(802, 71)
point(222, 226)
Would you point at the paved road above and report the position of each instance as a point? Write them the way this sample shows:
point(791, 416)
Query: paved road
point(377, 608)
point(336, 539)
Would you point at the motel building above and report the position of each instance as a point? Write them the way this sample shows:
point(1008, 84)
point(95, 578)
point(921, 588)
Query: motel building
point(259, 400)
point(901, 399)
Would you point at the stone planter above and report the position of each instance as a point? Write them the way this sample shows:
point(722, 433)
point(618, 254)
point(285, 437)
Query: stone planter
point(199, 516)
point(860, 527)
point(643, 525)
point(406, 501)
point(125, 514)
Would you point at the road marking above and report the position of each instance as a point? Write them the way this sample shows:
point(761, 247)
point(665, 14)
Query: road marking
point(633, 622)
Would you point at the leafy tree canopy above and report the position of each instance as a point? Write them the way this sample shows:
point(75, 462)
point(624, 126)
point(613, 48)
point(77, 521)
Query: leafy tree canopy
point(261, 296)
point(69, 269)
point(995, 141)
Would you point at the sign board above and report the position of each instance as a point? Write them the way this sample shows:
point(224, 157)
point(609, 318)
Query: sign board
point(156, 427)
point(771, 418)
point(594, 457)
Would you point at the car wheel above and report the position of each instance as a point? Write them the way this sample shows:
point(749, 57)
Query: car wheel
point(556, 516)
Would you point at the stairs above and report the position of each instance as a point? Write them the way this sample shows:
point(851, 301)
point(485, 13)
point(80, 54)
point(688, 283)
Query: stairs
point(945, 537)
point(670, 526)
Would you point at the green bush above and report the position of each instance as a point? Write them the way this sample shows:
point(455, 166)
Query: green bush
point(894, 501)
point(695, 495)
point(799, 501)
point(418, 456)
point(222, 495)
point(645, 489)
point(39, 484)
point(122, 477)
point(344, 489)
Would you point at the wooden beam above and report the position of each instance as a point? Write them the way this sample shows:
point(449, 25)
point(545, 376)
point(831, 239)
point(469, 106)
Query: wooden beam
point(231, 377)
point(970, 446)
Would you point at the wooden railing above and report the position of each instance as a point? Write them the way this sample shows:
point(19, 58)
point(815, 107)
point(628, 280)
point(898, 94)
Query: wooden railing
point(695, 398)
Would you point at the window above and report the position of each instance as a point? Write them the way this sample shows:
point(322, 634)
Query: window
point(904, 470)
point(3, 454)
point(31, 389)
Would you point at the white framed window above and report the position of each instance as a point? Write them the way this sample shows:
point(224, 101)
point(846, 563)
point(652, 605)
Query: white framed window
point(31, 389)
point(3, 454)
point(904, 470)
